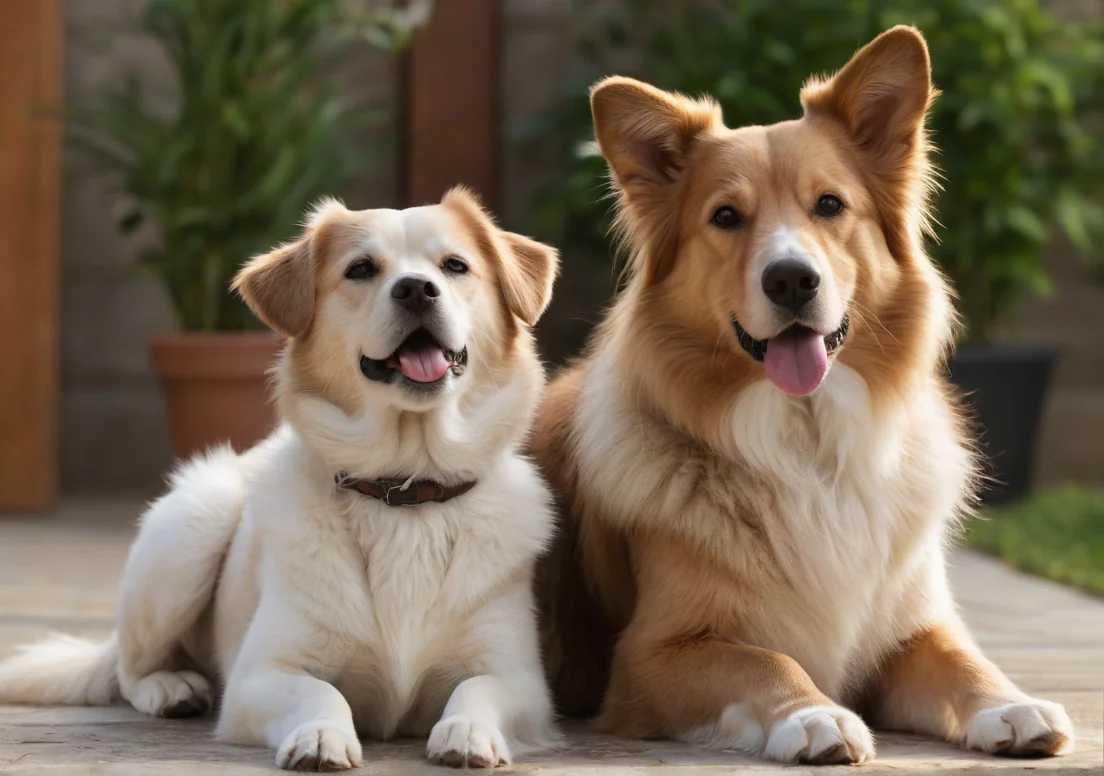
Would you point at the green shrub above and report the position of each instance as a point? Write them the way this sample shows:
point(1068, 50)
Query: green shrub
point(258, 131)
point(1058, 534)
point(1014, 124)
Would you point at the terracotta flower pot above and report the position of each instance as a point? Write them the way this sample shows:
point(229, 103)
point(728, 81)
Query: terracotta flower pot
point(216, 388)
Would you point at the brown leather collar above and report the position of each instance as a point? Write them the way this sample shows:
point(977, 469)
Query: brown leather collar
point(395, 492)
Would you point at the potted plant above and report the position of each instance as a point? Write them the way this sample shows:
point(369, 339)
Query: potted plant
point(258, 129)
point(1016, 151)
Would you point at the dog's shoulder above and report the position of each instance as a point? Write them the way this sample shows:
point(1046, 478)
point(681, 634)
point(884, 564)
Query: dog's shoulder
point(501, 527)
point(301, 527)
point(286, 480)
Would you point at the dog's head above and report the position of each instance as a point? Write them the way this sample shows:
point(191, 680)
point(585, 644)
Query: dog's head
point(423, 312)
point(769, 252)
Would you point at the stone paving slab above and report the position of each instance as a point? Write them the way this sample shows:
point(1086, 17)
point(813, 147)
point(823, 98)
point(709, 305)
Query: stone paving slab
point(60, 572)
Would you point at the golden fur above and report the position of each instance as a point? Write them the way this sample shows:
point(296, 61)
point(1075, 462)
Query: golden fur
point(735, 565)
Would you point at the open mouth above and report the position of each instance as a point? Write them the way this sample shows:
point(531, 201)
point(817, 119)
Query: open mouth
point(420, 359)
point(796, 360)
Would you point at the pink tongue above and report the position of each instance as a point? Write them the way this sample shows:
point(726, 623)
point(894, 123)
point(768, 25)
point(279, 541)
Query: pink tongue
point(425, 364)
point(796, 361)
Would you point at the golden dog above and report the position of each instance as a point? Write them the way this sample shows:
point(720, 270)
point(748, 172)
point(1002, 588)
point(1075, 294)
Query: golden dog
point(759, 461)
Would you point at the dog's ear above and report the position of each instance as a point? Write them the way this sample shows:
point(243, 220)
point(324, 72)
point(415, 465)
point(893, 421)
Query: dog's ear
point(645, 133)
point(646, 136)
point(279, 286)
point(527, 269)
point(528, 275)
point(881, 96)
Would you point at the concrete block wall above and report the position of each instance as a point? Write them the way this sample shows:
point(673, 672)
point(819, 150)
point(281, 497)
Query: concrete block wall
point(114, 433)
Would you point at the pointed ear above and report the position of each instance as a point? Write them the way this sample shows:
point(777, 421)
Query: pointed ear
point(880, 96)
point(528, 275)
point(645, 133)
point(279, 286)
point(646, 136)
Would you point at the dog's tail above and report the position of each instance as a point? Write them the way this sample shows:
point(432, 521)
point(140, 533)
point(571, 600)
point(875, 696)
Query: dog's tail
point(169, 579)
point(62, 671)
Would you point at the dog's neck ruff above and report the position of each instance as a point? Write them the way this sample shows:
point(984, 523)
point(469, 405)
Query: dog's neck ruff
point(395, 492)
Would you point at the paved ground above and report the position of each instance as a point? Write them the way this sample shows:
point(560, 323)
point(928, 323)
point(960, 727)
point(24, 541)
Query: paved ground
point(59, 573)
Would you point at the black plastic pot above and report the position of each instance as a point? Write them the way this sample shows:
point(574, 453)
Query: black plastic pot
point(1006, 385)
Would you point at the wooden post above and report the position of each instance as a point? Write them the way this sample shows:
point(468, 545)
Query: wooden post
point(452, 89)
point(31, 47)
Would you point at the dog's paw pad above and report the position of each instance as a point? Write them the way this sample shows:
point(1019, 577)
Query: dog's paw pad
point(319, 746)
point(1031, 728)
point(172, 694)
point(820, 735)
point(461, 741)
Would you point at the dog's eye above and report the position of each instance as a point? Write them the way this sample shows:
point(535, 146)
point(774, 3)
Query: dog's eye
point(455, 266)
point(362, 269)
point(829, 205)
point(727, 218)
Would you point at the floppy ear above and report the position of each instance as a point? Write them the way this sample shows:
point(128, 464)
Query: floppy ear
point(880, 96)
point(527, 268)
point(645, 133)
point(528, 274)
point(279, 286)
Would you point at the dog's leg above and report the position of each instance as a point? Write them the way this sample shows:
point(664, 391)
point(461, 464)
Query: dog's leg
point(275, 695)
point(727, 695)
point(680, 671)
point(306, 720)
point(491, 718)
point(169, 580)
point(470, 731)
point(940, 684)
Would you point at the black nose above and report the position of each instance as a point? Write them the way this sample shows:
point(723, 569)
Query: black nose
point(791, 283)
point(415, 292)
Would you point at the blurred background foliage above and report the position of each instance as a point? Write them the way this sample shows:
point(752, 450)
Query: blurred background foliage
point(258, 129)
point(1017, 126)
point(1056, 533)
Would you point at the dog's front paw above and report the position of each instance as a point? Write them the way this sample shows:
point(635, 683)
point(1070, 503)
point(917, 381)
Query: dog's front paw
point(1030, 728)
point(172, 694)
point(462, 741)
point(319, 746)
point(820, 735)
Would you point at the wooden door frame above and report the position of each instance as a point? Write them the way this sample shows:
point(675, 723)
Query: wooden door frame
point(451, 89)
point(31, 55)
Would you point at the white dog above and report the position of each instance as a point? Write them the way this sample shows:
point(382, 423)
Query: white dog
point(367, 568)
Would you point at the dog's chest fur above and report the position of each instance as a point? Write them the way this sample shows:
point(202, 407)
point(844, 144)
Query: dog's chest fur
point(406, 656)
point(395, 592)
point(824, 516)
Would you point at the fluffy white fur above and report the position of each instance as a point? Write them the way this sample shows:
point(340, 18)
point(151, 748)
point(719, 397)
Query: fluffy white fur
point(325, 615)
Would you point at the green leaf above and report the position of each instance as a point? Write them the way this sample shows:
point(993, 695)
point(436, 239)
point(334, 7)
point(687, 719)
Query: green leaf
point(1068, 209)
point(1026, 223)
point(233, 117)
